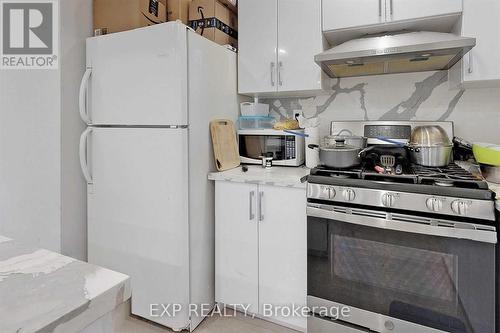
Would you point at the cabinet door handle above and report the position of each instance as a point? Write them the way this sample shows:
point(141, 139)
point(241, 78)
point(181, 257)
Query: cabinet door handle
point(261, 206)
point(379, 8)
point(273, 64)
point(392, 7)
point(251, 213)
point(471, 68)
point(280, 67)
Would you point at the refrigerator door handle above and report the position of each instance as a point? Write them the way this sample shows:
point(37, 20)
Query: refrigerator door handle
point(82, 100)
point(83, 155)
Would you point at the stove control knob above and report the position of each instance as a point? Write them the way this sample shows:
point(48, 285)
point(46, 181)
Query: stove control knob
point(349, 194)
point(460, 207)
point(388, 199)
point(331, 192)
point(389, 325)
point(324, 192)
point(434, 204)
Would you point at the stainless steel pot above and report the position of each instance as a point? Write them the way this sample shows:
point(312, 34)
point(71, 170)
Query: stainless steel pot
point(430, 146)
point(338, 156)
point(431, 156)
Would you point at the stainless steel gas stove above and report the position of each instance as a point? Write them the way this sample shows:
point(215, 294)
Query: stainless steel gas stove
point(412, 252)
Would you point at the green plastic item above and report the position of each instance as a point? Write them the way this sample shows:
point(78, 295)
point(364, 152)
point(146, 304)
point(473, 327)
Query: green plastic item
point(486, 153)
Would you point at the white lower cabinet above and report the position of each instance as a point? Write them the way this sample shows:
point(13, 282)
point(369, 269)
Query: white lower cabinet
point(261, 250)
point(236, 247)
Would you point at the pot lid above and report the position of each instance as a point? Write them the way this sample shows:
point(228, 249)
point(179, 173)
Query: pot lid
point(429, 136)
point(339, 147)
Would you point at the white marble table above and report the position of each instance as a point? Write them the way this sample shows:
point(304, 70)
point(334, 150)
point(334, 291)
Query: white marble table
point(43, 291)
point(256, 174)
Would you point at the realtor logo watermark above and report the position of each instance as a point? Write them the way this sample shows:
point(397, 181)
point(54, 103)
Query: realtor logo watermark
point(29, 34)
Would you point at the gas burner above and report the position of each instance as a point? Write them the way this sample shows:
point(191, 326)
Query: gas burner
point(444, 182)
point(340, 175)
point(452, 176)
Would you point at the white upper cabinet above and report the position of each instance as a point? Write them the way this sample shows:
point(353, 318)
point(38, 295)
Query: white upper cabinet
point(258, 40)
point(346, 14)
point(278, 40)
point(398, 10)
point(299, 40)
point(481, 20)
point(341, 14)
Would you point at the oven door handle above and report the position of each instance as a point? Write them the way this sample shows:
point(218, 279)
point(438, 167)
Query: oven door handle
point(390, 223)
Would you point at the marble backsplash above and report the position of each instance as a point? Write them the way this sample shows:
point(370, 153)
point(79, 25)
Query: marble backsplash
point(416, 96)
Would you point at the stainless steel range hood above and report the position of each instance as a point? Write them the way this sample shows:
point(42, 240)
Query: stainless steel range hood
point(400, 52)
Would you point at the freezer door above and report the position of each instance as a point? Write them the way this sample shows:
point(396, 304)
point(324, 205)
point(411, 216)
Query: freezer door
point(137, 77)
point(138, 215)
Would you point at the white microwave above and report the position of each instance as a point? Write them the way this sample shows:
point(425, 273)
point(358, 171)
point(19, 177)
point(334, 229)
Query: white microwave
point(286, 148)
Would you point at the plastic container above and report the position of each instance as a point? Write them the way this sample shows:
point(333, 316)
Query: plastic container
point(256, 122)
point(487, 153)
point(254, 109)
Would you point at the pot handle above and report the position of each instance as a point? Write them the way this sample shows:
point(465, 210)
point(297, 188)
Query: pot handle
point(413, 149)
point(364, 151)
point(311, 146)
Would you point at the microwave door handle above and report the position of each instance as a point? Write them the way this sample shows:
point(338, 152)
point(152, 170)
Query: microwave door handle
point(484, 236)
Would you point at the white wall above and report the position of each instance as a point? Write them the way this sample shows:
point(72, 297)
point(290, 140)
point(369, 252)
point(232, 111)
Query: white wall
point(42, 195)
point(30, 130)
point(411, 96)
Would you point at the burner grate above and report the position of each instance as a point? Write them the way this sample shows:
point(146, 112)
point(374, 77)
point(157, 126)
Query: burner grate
point(450, 176)
point(337, 173)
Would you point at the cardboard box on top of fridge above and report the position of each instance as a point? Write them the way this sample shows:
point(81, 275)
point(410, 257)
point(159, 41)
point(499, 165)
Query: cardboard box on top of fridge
point(214, 20)
point(119, 15)
point(178, 10)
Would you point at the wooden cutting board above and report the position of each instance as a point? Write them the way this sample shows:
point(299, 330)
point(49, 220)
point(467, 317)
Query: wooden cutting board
point(226, 151)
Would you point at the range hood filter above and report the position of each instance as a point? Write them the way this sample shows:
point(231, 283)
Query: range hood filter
point(396, 53)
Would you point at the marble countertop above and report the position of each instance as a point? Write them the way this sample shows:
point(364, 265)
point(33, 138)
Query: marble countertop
point(496, 188)
point(43, 291)
point(276, 176)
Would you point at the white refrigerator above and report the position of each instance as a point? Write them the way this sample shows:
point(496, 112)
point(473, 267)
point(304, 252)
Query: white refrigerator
point(147, 96)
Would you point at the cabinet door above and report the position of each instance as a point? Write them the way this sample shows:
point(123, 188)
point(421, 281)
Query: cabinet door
point(480, 20)
point(257, 39)
point(340, 14)
point(299, 40)
point(283, 251)
point(398, 10)
point(236, 248)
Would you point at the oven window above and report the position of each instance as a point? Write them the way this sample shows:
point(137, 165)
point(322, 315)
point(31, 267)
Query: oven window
point(438, 282)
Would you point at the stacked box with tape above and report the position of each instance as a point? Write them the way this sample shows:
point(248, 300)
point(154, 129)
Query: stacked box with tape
point(216, 20)
point(118, 15)
point(178, 10)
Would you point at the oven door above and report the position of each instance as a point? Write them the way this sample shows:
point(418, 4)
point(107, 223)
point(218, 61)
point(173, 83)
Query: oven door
point(401, 273)
point(279, 147)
